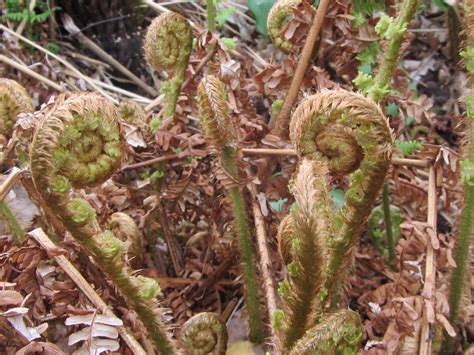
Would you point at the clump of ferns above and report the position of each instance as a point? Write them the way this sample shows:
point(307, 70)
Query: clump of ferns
point(168, 45)
point(78, 143)
point(335, 133)
point(220, 134)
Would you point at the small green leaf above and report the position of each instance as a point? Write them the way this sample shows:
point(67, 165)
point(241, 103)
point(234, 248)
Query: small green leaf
point(260, 10)
point(277, 206)
point(392, 109)
point(409, 121)
point(229, 43)
point(365, 68)
point(408, 147)
point(337, 196)
point(223, 15)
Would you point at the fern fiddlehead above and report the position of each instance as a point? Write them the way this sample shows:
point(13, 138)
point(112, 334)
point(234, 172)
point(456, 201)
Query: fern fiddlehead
point(341, 133)
point(78, 143)
point(13, 100)
point(204, 333)
point(219, 132)
point(277, 20)
point(168, 44)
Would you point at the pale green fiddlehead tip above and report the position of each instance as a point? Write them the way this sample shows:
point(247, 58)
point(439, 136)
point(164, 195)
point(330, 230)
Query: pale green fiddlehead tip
point(111, 247)
point(168, 42)
point(204, 333)
point(214, 113)
point(339, 333)
point(277, 20)
point(148, 287)
point(13, 100)
point(81, 211)
point(78, 140)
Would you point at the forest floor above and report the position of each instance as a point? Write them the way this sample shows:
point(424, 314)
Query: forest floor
point(179, 202)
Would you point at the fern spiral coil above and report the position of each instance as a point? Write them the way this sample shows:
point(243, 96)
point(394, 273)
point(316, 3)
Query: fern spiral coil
point(205, 333)
point(78, 143)
point(339, 133)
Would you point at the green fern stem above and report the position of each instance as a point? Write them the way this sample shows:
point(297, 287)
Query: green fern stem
point(173, 90)
point(388, 222)
point(211, 15)
point(219, 132)
point(466, 228)
point(461, 255)
point(228, 160)
point(9, 218)
point(78, 143)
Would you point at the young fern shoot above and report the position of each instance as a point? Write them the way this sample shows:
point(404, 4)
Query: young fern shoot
point(340, 133)
point(168, 45)
point(13, 100)
point(219, 132)
point(78, 143)
point(277, 20)
point(204, 333)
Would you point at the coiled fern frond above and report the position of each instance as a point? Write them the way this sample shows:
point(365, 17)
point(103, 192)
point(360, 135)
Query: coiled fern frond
point(168, 44)
point(219, 132)
point(13, 100)
point(277, 20)
point(78, 143)
point(339, 133)
point(204, 333)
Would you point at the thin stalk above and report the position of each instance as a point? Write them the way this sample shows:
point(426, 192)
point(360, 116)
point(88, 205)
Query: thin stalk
point(9, 218)
point(211, 16)
point(388, 222)
point(245, 243)
point(461, 257)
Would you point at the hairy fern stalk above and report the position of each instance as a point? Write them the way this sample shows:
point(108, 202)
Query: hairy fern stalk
point(219, 132)
point(466, 227)
point(341, 133)
point(78, 143)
